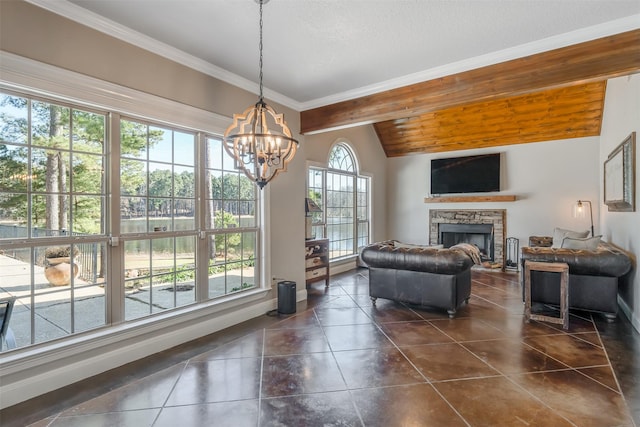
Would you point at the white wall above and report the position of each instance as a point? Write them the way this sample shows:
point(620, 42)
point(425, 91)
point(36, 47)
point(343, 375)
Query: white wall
point(621, 117)
point(547, 178)
point(288, 192)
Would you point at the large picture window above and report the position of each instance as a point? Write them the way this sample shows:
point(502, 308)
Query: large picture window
point(344, 196)
point(185, 219)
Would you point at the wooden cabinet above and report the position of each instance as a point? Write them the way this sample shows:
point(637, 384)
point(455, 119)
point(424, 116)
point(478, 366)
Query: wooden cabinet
point(317, 261)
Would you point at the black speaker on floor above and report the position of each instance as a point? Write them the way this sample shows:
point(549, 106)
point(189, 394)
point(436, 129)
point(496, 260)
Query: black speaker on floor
point(286, 297)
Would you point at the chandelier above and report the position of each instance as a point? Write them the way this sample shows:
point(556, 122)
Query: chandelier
point(259, 139)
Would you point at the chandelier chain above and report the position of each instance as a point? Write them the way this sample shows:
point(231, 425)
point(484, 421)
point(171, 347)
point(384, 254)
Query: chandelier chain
point(260, 76)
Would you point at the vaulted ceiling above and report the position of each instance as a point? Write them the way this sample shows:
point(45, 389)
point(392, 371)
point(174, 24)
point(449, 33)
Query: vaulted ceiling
point(553, 95)
point(429, 75)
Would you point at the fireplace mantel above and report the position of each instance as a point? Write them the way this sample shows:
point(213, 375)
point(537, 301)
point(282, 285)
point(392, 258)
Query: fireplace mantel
point(461, 199)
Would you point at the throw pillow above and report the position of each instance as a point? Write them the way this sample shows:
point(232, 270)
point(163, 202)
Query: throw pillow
point(560, 233)
point(588, 243)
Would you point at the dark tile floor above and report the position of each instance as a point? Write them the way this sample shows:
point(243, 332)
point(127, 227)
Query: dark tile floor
point(339, 361)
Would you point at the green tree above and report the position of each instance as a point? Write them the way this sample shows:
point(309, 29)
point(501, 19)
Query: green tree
point(227, 220)
point(135, 140)
point(63, 170)
point(160, 185)
point(184, 189)
point(13, 181)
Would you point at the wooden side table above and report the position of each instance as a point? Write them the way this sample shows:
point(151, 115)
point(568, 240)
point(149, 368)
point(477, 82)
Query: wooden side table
point(317, 261)
point(552, 267)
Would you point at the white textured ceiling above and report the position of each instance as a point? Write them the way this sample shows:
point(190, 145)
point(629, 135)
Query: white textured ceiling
point(318, 52)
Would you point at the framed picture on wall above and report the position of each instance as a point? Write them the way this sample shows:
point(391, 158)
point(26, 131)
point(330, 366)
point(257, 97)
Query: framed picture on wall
point(620, 177)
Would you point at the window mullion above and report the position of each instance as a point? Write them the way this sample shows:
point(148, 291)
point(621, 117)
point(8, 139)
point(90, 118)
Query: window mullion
point(202, 255)
point(354, 212)
point(115, 258)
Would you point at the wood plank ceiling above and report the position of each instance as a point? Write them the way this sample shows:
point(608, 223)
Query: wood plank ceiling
point(570, 112)
point(552, 95)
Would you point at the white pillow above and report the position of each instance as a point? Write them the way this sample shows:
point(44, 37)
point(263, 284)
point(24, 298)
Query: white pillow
point(588, 243)
point(560, 233)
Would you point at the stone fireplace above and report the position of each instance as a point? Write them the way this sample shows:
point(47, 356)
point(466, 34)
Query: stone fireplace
point(484, 228)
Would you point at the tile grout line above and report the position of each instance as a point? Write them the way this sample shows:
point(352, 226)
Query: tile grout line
point(335, 360)
point(419, 371)
point(426, 380)
point(379, 327)
point(569, 368)
point(615, 377)
point(264, 341)
point(502, 374)
point(173, 387)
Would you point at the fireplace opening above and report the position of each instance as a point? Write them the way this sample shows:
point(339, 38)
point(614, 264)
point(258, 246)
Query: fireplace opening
point(480, 235)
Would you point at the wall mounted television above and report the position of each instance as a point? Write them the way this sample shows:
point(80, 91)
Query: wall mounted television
point(468, 174)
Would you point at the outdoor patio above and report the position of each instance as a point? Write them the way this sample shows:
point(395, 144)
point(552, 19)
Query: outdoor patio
point(84, 302)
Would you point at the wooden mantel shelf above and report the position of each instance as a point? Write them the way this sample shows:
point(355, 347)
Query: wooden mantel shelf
point(464, 199)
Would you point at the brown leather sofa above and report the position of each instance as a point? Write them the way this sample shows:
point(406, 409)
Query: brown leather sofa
point(419, 275)
point(593, 277)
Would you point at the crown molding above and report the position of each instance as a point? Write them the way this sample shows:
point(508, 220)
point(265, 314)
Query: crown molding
point(99, 23)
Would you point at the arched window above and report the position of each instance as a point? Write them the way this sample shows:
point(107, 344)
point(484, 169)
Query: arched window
point(344, 197)
point(341, 158)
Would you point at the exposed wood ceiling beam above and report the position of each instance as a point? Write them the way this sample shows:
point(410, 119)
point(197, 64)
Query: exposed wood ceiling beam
point(582, 63)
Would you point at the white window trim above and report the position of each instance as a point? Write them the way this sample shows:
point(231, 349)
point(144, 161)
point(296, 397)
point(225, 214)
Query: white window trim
point(34, 370)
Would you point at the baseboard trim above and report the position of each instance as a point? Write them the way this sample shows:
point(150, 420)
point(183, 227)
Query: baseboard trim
point(338, 267)
point(633, 319)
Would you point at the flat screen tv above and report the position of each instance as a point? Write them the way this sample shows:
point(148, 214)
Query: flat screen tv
point(469, 174)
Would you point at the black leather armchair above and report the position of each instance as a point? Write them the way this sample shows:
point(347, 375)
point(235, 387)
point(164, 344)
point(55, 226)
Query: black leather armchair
point(425, 276)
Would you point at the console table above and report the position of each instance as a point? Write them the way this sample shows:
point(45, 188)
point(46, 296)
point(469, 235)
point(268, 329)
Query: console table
point(317, 261)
